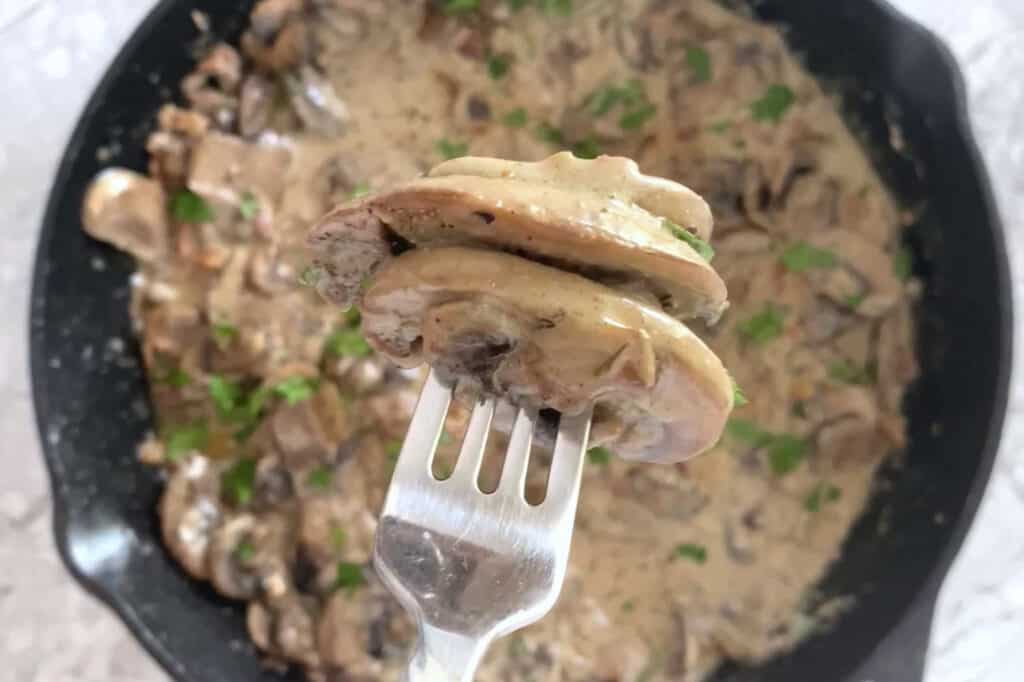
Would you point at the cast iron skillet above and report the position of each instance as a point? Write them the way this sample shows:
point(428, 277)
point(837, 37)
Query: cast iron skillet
point(92, 408)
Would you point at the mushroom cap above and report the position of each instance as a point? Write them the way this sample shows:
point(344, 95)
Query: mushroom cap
point(601, 217)
point(128, 210)
point(549, 338)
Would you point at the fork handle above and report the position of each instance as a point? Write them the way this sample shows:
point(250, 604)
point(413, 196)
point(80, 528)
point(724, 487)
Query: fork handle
point(442, 656)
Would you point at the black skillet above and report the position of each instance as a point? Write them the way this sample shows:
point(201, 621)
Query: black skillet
point(92, 408)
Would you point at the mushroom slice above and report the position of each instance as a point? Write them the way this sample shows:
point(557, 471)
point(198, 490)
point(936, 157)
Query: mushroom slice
point(864, 273)
point(601, 218)
point(128, 210)
point(548, 338)
point(190, 512)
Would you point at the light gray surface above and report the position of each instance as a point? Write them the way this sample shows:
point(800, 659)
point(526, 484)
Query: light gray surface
point(52, 52)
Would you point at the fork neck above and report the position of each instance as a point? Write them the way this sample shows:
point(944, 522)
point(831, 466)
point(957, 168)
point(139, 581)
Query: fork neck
point(444, 656)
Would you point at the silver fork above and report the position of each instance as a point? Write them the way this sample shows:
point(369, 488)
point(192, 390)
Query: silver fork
point(472, 567)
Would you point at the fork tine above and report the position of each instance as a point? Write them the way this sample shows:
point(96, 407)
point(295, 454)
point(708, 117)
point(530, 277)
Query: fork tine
point(425, 427)
point(567, 462)
point(471, 454)
point(517, 457)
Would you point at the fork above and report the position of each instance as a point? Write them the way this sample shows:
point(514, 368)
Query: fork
point(468, 566)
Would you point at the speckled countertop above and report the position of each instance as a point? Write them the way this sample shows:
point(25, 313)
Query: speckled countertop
point(52, 53)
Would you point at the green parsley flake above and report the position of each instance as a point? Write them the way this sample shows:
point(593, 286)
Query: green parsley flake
point(451, 150)
point(515, 119)
point(599, 455)
point(320, 478)
point(296, 389)
point(454, 7)
point(586, 149)
point(785, 453)
point(226, 394)
point(699, 61)
point(244, 552)
point(498, 65)
point(224, 334)
point(720, 128)
point(349, 577)
point(822, 493)
point(516, 5)
point(773, 104)
point(562, 8)
point(546, 132)
point(902, 264)
point(846, 372)
point(801, 257)
point(189, 207)
point(762, 327)
point(182, 440)
point(236, 483)
point(628, 606)
point(310, 275)
point(392, 448)
point(337, 537)
point(176, 377)
point(631, 120)
point(738, 398)
point(360, 190)
point(702, 248)
point(249, 206)
point(347, 343)
point(853, 301)
point(698, 554)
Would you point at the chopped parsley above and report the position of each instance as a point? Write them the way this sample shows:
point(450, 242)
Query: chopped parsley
point(628, 606)
point(630, 97)
point(764, 326)
point(189, 207)
point(801, 257)
point(516, 5)
point(320, 478)
point(451, 150)
point(337, 537)
point(347, 343)
point(586, 149)
point(599, 455)
point(181, 440)
point(902, 264)
point(249, 206)
point(498, 65)
point(224, 334)
point(698, 554)
point(296, 389)
point(699, 61)
point(244, 552)
point(631, 120)
point(562, 8)
point(785, 451)
point(738, 398)
point(702, 248)
point(236, 483)
point(773, 104)
point(822, 493)
point(361, 189)
point(225, 394)
point(799, 409)
point(546, 132)
point(310, 275)
point(720, 128)
point(175, 376)
point(392, 448)
point(515, 119)
point(853, 301)
point(454, 7)
point(847, 372)
point(349, 577)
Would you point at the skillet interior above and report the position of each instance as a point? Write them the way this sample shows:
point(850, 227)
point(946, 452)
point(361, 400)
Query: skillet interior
point(91, 404)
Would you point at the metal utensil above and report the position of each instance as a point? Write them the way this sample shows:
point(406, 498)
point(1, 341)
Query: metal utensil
point(470, 566)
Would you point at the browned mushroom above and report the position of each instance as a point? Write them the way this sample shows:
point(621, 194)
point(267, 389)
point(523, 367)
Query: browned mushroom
point(191, 511)
point(285, 626)
point(602, 217)
point(129, 211)
point(864, 273)
point(548, 338)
